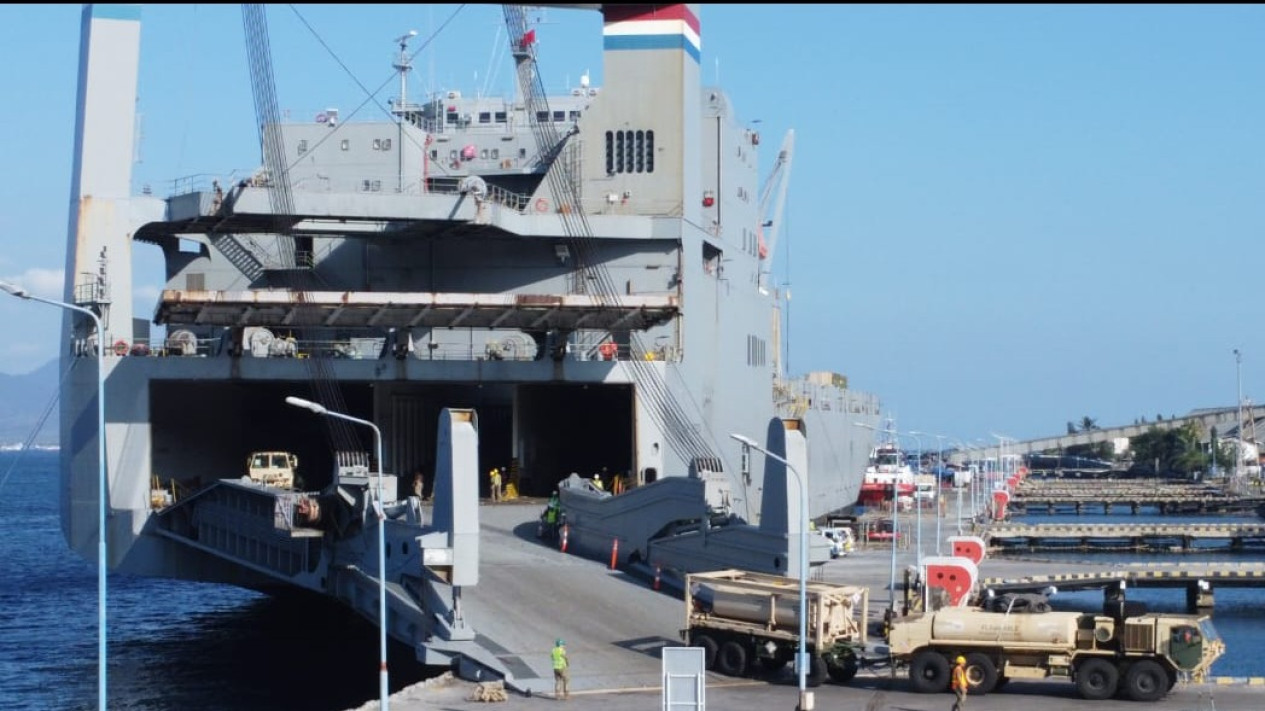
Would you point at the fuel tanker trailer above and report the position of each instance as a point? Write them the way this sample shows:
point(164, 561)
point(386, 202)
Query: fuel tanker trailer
point(741, 618)
point(1126, 649)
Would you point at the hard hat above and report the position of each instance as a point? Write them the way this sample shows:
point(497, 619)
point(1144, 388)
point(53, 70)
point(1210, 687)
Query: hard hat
point(960, 660)
point(597, 476)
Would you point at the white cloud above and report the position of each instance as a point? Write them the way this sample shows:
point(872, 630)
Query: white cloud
point(46, 283)
point(146, 293)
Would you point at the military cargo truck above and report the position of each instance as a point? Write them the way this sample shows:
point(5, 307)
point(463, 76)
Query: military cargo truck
point(272, 468)
point(1124, 651)
point(742, 619)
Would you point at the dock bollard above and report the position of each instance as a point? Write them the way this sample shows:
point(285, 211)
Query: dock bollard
point(614, 551)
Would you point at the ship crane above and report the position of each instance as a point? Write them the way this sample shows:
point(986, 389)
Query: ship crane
point(774, 191)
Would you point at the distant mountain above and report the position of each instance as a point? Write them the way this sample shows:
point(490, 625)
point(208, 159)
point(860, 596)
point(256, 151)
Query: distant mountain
point(23, 399)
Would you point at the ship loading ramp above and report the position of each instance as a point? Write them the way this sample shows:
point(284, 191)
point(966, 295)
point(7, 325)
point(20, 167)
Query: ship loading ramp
point(268, 539)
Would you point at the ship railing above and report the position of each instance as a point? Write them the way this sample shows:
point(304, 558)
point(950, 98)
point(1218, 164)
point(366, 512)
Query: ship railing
point(372, 348)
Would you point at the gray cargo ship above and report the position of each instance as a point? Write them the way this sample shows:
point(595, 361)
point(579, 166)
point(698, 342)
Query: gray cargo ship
point(545, 284)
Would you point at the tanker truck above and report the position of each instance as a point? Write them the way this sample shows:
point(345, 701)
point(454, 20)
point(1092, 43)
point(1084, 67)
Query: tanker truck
point(1124, 651)
point(745, 621)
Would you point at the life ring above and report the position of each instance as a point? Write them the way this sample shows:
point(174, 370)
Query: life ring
point(542, 205)
point(120, 347)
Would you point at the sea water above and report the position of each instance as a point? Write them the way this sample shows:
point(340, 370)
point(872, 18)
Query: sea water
point(1239, 613)
point(170, 644)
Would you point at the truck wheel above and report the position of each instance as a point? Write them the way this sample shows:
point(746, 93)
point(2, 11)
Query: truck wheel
point(731, 660)
point(817, 671)
point(1146, 680)
point(1096, 679)
point(775, 663)
point(846, 668)
point(981, 673)
point(929, 672)
point(709, 649)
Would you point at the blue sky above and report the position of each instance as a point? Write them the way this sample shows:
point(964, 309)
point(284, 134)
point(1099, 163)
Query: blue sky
point(1000, 218)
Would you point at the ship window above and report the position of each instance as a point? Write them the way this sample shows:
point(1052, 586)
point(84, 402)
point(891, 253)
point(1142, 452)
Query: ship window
point(386, 144)
point(483, 154)
point(542, 116)
point(377, 185)
point(377, 144)
point(496, 153)
point(522, 152)
point(453, 117)
point(345, 144)
point(500, 117)
point(649, 151)
point(303, 146)
point(574, 115)
point(434, 154)
point(452, 155)
point(485, 117)
point(560, 116)
point(640, 152)
point(619, 151)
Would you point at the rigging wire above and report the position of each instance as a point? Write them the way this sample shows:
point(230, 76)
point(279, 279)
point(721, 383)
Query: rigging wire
point(680, 429)
point(371, 96)
point(39, 425)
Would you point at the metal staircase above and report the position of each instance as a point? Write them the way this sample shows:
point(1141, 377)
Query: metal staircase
point(239, 255)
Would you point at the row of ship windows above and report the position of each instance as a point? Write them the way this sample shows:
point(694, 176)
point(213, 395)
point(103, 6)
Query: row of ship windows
point(484, 154)
point(629, 152)
point(379, 144)
point(502, 117)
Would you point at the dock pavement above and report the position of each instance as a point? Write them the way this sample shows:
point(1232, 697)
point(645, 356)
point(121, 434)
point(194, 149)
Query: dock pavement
point(615, 624)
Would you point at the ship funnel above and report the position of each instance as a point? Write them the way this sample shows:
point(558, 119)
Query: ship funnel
point(645, 122)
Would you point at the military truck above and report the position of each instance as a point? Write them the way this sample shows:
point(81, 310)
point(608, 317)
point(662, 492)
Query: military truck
point(743, 619)
point(1124, 651)
point(272, 468)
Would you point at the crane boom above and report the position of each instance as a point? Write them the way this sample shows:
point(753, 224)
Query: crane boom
point(774, 191)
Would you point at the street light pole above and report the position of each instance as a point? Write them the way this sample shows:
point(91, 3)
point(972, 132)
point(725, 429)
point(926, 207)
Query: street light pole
point(1238, 428)
point(939, 489)
point(891, 584)
point(101, 477)
point(918, 499)
point(802, 660)
point(319, 409)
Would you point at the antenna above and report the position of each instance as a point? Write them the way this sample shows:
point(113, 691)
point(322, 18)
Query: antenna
point(402, 64)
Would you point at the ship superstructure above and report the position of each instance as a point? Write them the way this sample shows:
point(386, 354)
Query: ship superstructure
point(586, 272)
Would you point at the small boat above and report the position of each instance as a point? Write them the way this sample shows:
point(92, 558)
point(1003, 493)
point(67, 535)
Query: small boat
point(888, 469)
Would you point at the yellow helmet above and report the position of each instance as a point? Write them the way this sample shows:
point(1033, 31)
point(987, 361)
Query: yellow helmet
point(960, 660)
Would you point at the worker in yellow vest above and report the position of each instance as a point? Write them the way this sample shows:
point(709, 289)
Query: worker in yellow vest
point(495, 477)
point(561, 673)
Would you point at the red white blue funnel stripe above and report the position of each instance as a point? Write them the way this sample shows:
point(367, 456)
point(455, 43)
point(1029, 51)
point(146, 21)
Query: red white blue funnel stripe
point(637, 27)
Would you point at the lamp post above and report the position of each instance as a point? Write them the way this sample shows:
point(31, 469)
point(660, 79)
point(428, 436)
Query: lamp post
point(891, 584)
point(938, 489)
point(382, 556)
point(1238, 427)
point(101, 478)
point(802, 659)
point(917, 498)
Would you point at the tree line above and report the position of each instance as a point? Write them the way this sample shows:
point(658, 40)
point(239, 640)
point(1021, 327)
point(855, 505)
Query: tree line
point(1180, 451)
